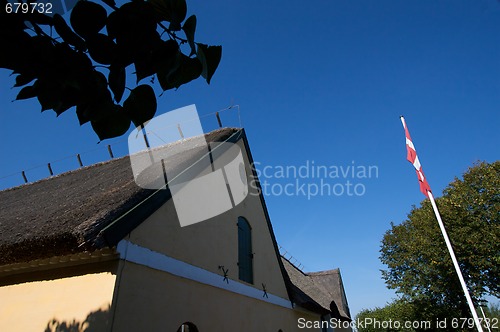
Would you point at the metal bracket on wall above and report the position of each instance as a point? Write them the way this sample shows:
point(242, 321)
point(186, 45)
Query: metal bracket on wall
point(265, 290)
point(225, 271)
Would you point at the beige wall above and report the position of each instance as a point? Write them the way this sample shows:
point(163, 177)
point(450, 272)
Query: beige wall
point(151, 300)
point(31, 306)
point(214, 242)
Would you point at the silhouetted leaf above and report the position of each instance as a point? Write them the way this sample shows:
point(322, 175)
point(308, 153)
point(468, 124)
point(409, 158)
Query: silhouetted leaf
point(99, 88)
point(143, 68)
point(14, 57)
point(187, 69)
point(117, 78)
point(49, 93)
point(173, 11)
point(95, 109)
point(27, 92)
point(115, 124)
point(110, 3)
point(82, 114)
point(102, 48)
point(87, 18)
point(68, 98)
point(65, 32)
point(44, 58)
point(189, 29)
point(81, 68)
point(141, 104)
point(137, 18)
point(114, 24)
point(40, 18)
point(23, 79)
point(209, 57)
point(165, 55)
point(134, 27)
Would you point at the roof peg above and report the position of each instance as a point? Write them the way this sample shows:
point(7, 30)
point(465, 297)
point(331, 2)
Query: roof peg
point(218, 119)
point(79, 159)
point(180, 131)
point(110, 151)
point(50, 169)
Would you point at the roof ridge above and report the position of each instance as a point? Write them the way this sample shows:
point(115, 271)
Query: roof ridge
point(70, 172)
point(325, 272)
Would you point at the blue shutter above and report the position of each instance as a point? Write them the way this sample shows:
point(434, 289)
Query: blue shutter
point(245, 255)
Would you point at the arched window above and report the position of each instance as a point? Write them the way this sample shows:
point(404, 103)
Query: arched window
point(187, 327)
point(245, 254)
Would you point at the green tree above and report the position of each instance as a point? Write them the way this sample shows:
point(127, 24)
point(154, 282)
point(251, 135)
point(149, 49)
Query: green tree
point(396, 313)
point(419, 266)
point(84, 64)
point(416, 316)
point(492, 314)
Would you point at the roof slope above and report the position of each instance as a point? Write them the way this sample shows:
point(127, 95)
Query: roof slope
point(66, 213)
point(323, 289)
point(330, 283)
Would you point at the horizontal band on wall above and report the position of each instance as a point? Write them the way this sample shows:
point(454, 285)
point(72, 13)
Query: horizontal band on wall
point(136, 254)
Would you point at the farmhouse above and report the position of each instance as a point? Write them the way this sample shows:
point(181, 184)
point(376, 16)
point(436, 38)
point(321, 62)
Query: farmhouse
point(90, 250)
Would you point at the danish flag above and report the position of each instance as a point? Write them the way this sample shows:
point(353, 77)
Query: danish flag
point(413, 158)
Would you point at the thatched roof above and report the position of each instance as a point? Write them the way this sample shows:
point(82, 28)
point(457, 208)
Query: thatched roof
point(94, 207)
point(318, 291)
point(67, 213)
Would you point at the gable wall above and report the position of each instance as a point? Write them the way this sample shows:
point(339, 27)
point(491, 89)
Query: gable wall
point(214, 242)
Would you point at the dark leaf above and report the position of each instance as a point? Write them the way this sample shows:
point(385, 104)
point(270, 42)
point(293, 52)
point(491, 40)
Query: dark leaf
point(110, 3)
point(134, 27)
point(100, 83)
point(102, 48)
point(117, 78)
point(115, 124)
point(187, 69)
point(23, 79)
point(87, 18)
point(114, 24)
point(10, 21)
point(49, 94)
point(81, 68)
point(209, 57)
point(65, 32)
point(81, 113)
point(68, 99)
point(189, 29)
point(173, 11)
point(164, 57)
point(141, 104)
point(27, 92)
point(144, 67)
point(40, 18)
point(138, 17)
point(45, 53)
point(95, 109)
point(16, 44)
point(37, 29)
point(55, 95)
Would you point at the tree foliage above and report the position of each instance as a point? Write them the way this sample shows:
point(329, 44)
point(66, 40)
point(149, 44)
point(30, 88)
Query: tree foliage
point(84, 64)
point(418, 263)
point(417, 315)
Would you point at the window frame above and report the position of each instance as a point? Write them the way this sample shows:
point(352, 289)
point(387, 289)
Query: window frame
point(245, 252)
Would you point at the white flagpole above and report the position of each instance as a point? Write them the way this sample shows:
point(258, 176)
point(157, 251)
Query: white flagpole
point(455, 263)
point(485, 319)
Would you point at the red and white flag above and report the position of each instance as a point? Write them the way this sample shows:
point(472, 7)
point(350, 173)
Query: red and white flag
point(413, 158)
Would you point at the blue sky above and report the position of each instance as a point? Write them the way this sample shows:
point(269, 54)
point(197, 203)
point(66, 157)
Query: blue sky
point(322, 81)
